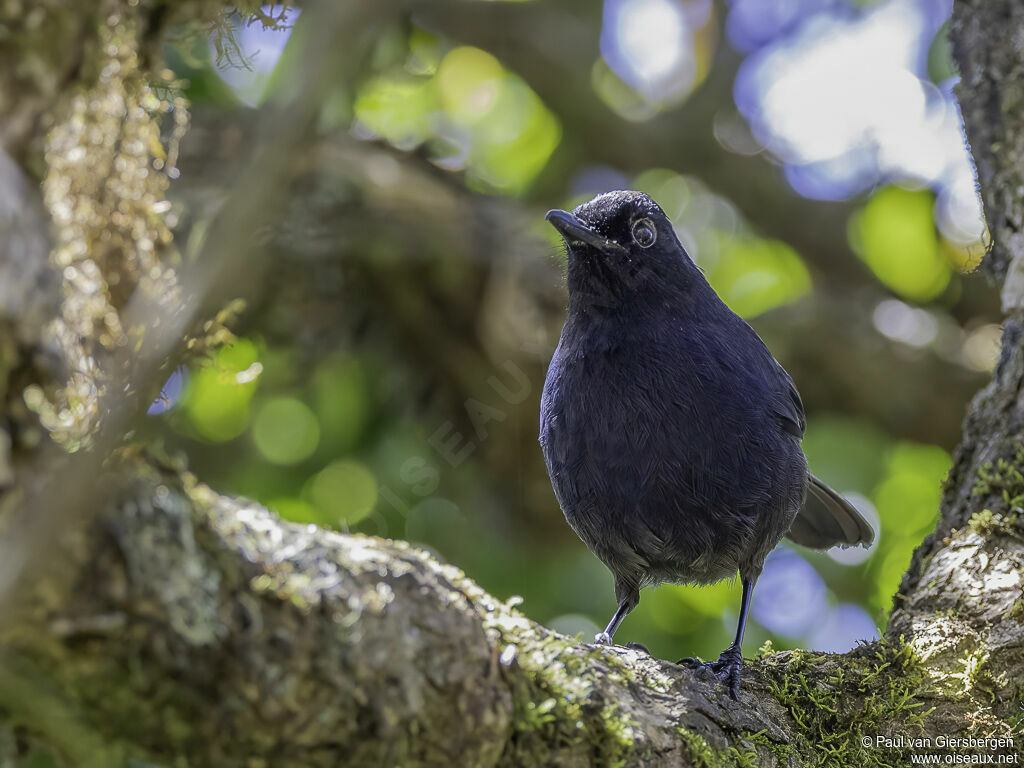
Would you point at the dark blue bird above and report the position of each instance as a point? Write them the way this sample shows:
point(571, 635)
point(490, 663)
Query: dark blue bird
point(671, 434)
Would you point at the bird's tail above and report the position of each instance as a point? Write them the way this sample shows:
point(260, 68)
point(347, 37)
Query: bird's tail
point(828, 519)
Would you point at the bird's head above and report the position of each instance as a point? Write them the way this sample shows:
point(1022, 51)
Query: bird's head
point(621, 247)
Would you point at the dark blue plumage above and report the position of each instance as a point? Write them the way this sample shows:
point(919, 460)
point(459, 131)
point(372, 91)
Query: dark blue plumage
point(671, 434)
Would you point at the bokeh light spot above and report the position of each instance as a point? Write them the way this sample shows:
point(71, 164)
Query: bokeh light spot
point(217, 401)
point(397, 109)
point(905, 323)
point(296, 510)
point(841, 629)
point(790, 596)
point(981, 347)
point(469, 81)
point(649, 45)
point(286, 431)
point(477, 116)
point(754, 275)
point(895, 235)
point(344, 492)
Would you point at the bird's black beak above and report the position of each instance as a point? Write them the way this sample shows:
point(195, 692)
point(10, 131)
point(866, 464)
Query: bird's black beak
point(575, 231)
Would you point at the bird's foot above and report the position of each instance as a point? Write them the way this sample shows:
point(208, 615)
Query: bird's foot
point(726, 669)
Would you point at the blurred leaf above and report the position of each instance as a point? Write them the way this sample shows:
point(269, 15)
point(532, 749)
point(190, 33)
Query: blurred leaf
point(507, 160)
point(895, 235)
point(189, 58)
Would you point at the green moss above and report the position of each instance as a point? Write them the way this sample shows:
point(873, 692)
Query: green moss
point(982, 522)
point(986, 522)
point(1001, 484)
point(1017, 611)
point(703, 755)
point(836, 703)
point(977, 676)
point(1003, 478)
point(783, 752)
point(48, 723)
point(557, 708)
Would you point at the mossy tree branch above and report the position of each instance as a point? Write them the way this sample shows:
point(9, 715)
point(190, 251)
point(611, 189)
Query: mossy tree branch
point(191, 626)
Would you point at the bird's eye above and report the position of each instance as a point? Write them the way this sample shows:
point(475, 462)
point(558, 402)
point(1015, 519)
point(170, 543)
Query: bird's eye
point(644, 233)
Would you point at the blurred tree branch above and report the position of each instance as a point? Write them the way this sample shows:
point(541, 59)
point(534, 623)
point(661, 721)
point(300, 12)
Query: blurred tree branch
point(553, 47)
point(185, 625)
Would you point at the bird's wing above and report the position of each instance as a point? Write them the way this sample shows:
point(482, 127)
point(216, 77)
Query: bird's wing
point(790, 408)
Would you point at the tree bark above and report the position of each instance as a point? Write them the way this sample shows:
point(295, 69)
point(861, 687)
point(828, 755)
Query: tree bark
point(186, 627)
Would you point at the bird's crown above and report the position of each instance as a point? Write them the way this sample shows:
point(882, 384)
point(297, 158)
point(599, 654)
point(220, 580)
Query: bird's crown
point(610, 208)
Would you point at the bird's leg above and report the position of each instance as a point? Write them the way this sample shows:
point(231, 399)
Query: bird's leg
point(727, 668)
point(628, 598)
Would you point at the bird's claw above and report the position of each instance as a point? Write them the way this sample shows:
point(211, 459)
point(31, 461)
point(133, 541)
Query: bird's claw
point(727, 668)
